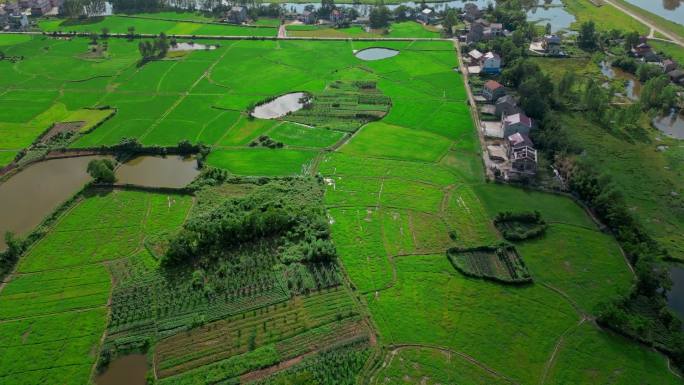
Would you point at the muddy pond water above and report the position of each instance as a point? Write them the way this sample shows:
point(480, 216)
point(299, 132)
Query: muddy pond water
point(33, 193)
point(632, 84)
point(280, 106)
point(675, 297)
point(370, 54)
point(156, 171)
point(126, 370)
point(671, 125)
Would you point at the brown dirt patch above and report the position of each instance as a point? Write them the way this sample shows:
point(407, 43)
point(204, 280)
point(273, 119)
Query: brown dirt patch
point(61, 127)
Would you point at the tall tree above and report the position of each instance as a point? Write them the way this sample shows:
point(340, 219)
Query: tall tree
point(587, 36)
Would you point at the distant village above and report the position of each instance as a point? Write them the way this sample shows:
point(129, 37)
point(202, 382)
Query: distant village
point(510, 153)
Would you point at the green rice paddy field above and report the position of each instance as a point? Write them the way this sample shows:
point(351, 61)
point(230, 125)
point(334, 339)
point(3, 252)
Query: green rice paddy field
point(148, 25)
point(399, 193)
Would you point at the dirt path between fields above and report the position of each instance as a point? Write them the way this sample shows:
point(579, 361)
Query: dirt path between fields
point(265, 372)
point(398, 347)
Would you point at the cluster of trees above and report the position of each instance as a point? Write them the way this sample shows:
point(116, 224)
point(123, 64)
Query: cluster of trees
point(9, 257)
point(154, 49)
point(535, 88)
point(102, 171)
point(286, 213)
point(520, 226)
point(379, 17)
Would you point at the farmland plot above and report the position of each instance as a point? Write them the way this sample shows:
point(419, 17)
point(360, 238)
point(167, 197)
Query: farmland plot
point(406, 185)
point(53, 310)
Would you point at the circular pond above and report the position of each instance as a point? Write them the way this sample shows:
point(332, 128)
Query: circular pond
point(280, 106)
point(370, 54)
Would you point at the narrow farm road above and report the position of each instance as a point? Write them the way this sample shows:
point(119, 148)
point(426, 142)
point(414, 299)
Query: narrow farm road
point(473, 109)
point(654, 28)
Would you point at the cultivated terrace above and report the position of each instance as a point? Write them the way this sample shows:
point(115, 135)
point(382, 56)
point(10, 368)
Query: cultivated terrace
point(332, 194)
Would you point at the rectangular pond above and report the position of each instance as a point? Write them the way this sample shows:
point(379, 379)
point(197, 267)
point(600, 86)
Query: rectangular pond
point(36, 191)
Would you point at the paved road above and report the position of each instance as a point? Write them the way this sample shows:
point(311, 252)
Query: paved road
point(654, 28)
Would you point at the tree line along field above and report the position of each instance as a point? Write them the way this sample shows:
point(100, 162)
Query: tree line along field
point(399, 192)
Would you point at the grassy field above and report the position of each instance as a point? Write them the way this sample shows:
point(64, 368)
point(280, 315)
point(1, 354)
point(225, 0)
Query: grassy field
point(433, 366)
point(54, 309)
point(669, 49)
point(403, 29)
point(146, 25)
point(646, 176)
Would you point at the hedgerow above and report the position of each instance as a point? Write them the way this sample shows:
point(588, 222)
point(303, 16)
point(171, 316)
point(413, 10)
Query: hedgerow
point(520, 226)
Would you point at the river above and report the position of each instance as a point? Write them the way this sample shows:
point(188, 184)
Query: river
point(672, 10)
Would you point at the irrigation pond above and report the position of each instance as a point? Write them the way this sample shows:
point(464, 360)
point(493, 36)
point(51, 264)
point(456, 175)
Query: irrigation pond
point(280, 106)
point(34, 192)
point(129, 370)
point(156, 171)
point(371, 54)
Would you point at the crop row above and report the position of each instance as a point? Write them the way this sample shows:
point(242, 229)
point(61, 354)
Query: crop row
point(226, 338)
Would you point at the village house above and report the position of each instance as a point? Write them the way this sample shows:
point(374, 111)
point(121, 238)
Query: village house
point(493, 90)
point(307, 17)
point(40, 7)
point(474, 57)
point(641, 50)
point(425, 16)
point(4, 17)
point(669, 65)
point(552, 45)
point(515, 123)
point(495, 29)
point(18, 21)
point(676, 76)
point(237, 15)
point(336, 16)
point(521, 153)
point(491, 63)
point(506, 105)
point(471, 12)
point(476, 32)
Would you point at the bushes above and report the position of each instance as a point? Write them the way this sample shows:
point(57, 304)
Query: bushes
point(496, 263)
point(102, 170)
point(286, 213)
point(520, 226)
